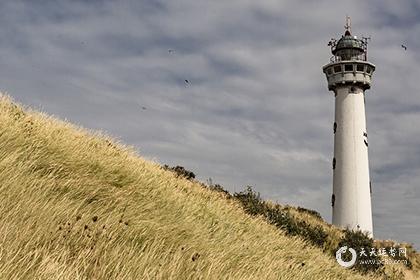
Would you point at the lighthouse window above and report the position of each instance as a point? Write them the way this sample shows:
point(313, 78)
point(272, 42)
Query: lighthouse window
point(369, 70)
point(366, 143)
point(348, 67)
point(334, 163)
point(333, 200)
point(337, 69)
point(335, 127)
point(329, 71)
point(360, 67)
point(365, 139)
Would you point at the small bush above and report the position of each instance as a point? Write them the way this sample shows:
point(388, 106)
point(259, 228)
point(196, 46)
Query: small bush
point(251, 202)
point(180, 171)
point(360, 242)
point(216, 187)
point(315, 234)
point(281, 218)
point(219, 188)
point(310, 212)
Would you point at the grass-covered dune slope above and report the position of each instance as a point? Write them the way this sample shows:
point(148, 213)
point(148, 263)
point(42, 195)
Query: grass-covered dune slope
point(76, 205)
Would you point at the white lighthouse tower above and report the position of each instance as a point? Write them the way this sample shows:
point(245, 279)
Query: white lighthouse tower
point(349, 74)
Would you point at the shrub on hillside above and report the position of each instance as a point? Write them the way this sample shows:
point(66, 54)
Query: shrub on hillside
point(284, 220)
point(180, 171)
point(251, 202)
point(216, 187)
point(369, 261)
point(281, 218)
point(310, 212)
point(219, 188)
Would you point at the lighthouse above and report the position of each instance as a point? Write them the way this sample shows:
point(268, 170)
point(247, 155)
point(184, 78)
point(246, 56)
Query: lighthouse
point(349, 75)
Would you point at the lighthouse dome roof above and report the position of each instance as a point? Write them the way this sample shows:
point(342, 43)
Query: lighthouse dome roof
point(348, 42)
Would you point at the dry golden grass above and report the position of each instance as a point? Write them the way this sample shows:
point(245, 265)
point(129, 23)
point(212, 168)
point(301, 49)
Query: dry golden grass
point(75, 205)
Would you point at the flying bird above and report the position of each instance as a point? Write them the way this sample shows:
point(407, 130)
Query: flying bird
point(144, 108)
point(187, 82)
point(171, 51)
point(404, 47)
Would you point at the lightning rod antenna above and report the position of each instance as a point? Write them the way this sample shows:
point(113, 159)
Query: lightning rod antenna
point(348, 24)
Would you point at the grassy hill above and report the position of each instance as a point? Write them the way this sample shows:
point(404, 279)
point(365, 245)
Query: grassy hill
point(78, 205)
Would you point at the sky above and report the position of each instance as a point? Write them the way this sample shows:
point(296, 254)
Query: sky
point(256, 109)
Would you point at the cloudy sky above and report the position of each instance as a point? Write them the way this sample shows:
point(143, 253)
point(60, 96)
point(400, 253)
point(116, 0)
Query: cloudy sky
point(256, 110)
